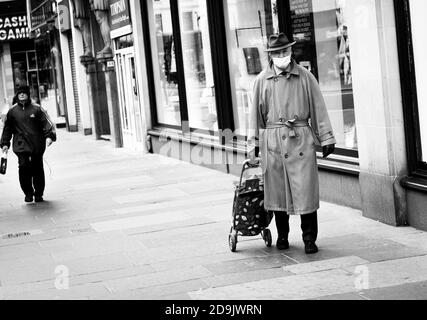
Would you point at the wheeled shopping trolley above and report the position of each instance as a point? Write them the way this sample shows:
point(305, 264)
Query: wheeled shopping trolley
point(249, 218)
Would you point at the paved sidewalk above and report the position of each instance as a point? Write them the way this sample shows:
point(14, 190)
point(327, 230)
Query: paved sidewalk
point(122, 225)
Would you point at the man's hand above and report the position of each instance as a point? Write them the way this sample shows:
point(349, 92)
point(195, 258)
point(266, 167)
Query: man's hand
point(5, 149)
point(328, 150)
point(49, 142)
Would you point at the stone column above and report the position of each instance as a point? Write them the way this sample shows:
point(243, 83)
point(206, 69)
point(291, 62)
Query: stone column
point(379, 110)
point(90, 66)
point(108, 67)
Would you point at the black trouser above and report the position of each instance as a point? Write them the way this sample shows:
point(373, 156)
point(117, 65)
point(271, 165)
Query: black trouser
point(308, 225)
point(31, 174)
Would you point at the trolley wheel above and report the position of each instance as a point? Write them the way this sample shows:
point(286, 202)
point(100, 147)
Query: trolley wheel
point(232, 241)
point(267, 237)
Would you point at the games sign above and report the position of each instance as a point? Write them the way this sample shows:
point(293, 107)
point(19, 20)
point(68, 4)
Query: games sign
point(14, 28)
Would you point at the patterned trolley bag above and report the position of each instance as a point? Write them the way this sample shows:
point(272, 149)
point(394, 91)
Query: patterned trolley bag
point(249, 218)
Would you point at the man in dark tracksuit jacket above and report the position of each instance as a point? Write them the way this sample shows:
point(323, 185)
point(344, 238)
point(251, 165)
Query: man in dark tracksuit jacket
point(32, 130)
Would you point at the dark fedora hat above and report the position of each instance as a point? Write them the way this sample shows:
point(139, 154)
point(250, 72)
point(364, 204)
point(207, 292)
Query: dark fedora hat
point(278, 41)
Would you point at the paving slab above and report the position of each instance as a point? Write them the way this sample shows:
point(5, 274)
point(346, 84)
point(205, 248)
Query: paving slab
point(410, 291)
point(322, 265)
point(157, 279)
point(249, 264)
point(226, 279)
point(161, 292)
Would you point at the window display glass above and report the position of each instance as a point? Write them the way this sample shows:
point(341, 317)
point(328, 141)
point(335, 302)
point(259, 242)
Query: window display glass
point(47, 80)
point(419, 25)
point(197, 61)
point(248, 24)
point(19, 64)
point(168, 102)
point(323, 47)
point(24, 72)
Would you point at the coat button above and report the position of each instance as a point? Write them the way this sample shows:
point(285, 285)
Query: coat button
point(301, 154)
point(286, 156)
point(284, 138)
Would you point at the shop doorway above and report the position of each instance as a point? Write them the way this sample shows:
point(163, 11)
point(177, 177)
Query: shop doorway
point(25, 72)
point(130, 110)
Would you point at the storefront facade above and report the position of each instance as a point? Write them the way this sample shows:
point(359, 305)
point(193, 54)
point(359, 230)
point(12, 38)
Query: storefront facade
point(200, 59)
point(185, 71)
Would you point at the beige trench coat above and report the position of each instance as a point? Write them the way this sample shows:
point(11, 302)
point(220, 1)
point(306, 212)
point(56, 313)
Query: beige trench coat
point(282, 108)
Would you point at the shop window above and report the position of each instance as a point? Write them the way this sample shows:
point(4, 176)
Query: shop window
point(25, 72)
point(20, 69)
point(196, 53)
point(418, 27)
point(184, 78)
point(168, 102)
point(248, 23)
point(323, 47)
point(24, 67)
point(124, 42)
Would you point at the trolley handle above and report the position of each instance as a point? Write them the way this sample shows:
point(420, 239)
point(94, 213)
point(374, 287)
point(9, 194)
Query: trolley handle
point(246, 166)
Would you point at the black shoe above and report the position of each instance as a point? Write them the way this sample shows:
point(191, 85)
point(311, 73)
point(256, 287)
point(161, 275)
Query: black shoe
point(28, 198)
point(38, 199)
point(282, 244)
point(310, 247)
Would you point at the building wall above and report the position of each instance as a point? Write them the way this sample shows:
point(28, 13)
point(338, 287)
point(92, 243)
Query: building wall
point(417, 212)
point(379, 115)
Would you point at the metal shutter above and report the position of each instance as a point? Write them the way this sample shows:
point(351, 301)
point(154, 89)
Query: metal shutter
point(75, 91)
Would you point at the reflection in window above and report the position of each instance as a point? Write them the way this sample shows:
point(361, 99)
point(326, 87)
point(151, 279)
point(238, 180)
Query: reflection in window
point(51, 81)
point(323, 47)
point(197, 61)
point(248, 25)
point(124, 42)
point(168, 104)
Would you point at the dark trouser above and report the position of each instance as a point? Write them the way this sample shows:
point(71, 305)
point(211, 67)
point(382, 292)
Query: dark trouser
point(308, 226)
point(31, 174)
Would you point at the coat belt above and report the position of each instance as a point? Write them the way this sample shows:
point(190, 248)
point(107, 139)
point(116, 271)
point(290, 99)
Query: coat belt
point(291, 124)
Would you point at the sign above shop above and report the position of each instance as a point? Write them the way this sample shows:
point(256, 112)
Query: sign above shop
point(120, 18)
point(64, 16)
point(14, 28)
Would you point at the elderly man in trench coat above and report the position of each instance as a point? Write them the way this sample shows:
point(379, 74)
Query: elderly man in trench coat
point(288, 119)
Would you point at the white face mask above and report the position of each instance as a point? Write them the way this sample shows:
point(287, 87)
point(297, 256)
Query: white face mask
point(282, 63)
